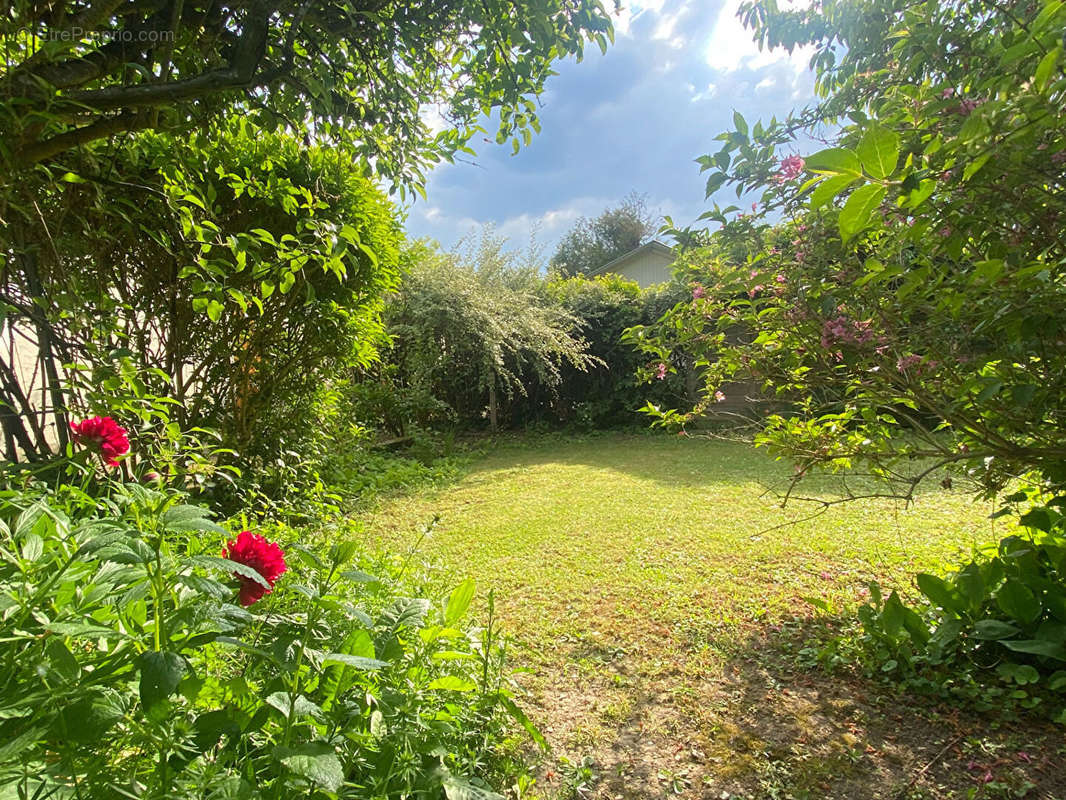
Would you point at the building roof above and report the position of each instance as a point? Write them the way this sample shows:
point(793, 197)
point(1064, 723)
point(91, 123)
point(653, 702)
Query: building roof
point(652, 246)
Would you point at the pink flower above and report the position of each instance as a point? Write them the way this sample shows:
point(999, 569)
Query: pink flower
point(905, 363)
point(843, 330)
point(754, 290)
point(791, 168)
point(779, 278)
point(949, 92)
point(698, 292)
point(1024, 756)
point(661, 372)
point(104, 436)
point(264, 557)
point(718, 396)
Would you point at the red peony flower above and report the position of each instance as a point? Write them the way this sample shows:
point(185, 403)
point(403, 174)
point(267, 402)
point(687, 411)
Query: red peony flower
point(264, 557)
point(103, 435)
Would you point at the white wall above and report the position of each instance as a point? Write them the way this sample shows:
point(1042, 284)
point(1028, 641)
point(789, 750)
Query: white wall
point(646, 268)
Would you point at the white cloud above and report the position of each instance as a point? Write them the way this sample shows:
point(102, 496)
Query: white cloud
point(732, 46)
point(707, 93)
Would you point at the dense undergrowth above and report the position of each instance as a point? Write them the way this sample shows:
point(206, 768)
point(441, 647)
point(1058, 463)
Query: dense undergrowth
point(152, 652)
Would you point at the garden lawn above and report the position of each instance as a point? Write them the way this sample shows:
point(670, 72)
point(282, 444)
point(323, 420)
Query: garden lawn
point(665, 622)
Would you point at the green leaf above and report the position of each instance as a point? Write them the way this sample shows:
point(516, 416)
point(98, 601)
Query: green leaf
point(993, 629)
point(225, 565)
point(214, 310)
point(189, 518)
point(878, 151)
point(161, 672)
point(1042, 76)
point(459, 601)
point(971, 585)
point(921, 194)
point(892, 615)
point(301, 707)
point(32, 547)
point(940, 593)
point(829, 188)
point(740, 123)
point(316, 762)
point(1038, 647)
point(358, 662)
point(835, 160)
point(452, 683)
point(519, 716)
point(974, 166)
point(1017, 601)
point(456, 788)
point(855, 215)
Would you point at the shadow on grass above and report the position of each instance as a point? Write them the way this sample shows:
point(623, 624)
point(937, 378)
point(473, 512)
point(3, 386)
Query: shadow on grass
point(675, 461)
point(765, 727)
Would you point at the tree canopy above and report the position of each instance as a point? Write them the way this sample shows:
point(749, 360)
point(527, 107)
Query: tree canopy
point(910, 312)
point(591, 243)
point(362, 73)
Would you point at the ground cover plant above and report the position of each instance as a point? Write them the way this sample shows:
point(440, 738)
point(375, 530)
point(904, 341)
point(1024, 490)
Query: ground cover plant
point(675, 635)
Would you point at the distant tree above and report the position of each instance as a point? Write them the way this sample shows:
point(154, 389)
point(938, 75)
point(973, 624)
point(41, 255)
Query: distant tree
point(591, 243)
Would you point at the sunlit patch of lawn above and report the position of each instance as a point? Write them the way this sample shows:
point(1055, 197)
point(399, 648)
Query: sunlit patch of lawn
point(638, 576)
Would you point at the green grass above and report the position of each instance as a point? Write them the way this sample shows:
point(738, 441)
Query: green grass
point(648, 588)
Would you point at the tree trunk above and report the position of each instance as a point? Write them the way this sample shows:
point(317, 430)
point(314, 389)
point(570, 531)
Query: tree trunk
point(493, 423)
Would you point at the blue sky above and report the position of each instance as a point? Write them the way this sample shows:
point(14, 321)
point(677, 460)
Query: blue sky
point(631, 120)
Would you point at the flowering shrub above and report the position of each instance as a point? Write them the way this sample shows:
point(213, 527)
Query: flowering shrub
point(129, 669)
point(920, 324)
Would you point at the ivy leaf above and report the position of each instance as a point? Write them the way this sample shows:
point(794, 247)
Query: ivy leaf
point(855, 215)
point(879, 151)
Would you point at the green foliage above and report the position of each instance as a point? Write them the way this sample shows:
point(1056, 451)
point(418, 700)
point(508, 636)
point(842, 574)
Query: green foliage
point(224, 284)
point(472, 330)
point(993, 632)
point(611, 391)
point(357, 76)
point(130, 669)
point(898, 313)
point(592, 243)
point(908, 313)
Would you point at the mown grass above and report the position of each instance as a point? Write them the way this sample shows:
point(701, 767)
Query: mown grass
point(649, 582)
